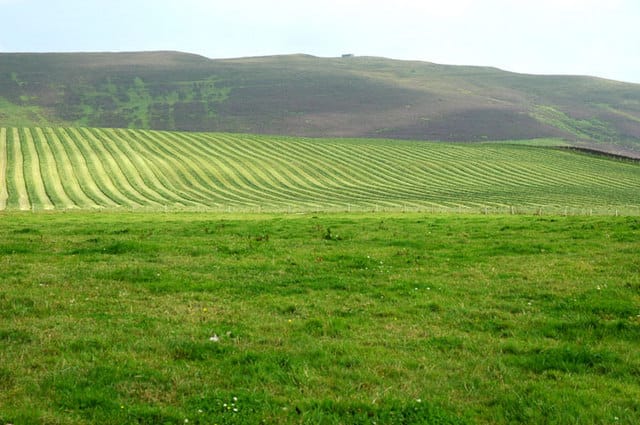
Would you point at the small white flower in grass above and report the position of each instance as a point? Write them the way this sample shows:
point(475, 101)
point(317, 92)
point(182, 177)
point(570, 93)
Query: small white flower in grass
point(418, 400)
point(214, 338)
point(235, 409)
point(235, 399)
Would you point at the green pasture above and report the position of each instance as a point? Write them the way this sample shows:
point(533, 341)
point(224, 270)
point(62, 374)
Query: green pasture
point(115, 169)
point(174, 318)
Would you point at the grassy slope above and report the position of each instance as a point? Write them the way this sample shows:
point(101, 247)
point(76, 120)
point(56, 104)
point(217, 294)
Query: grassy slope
point(304, 95)
point(106, 168)
point(107, 318)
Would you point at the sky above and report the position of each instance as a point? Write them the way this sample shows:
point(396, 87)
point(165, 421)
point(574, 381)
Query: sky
point(577, 37)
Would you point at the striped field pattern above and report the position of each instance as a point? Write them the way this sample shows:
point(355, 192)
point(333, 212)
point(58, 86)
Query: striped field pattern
point(82, 168)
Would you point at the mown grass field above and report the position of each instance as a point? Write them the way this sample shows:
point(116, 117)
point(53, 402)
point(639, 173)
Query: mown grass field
point(80, 168)
point(321, 319)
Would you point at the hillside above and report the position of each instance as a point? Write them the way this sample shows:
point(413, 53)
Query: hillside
point(70, 168)
point(317, 97)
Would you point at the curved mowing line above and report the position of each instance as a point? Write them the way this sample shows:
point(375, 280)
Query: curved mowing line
point(131, 172)
point(208, 178)
point(19, 182)
point(340, 186)
point(255, 169)
point(141, 168)
point(33, 173)
point(49, 172)
point(161, 165)
point(143, 164)
point(341, 160)
point(291, 175)
point(81, 167)
point(65, 170)
point(4, 194)
point(116, 174)
point(211, 190)
point(226, 172)
point(98, 171)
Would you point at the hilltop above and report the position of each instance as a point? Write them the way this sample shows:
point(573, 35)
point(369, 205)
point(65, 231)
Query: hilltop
point(309, 96)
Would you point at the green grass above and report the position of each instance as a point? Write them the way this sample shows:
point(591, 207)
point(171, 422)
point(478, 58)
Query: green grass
point(156, 171)
point(405, 318)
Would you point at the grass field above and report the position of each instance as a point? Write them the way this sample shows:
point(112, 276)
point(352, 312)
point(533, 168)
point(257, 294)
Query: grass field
point(69, 168)
point(321, 319)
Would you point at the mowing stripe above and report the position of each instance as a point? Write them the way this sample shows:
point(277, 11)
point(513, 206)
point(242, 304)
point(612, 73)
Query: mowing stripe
point(142, 166)
point(40, 197)
point(159, 166)
point(119, 179)
point(65, 170)
point(4, 195)
point(99, 173)
point(211, 189)
point(86, 168)
point(20, 185)
point(129, 171)
point(49, 172)
point(84, 176)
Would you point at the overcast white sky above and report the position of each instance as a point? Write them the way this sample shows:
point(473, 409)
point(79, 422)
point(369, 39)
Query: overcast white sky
point(587, 37)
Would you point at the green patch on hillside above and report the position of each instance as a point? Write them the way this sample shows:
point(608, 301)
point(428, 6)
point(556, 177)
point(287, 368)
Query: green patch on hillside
point(22, 115)
point(592, 129)
point(136, 103)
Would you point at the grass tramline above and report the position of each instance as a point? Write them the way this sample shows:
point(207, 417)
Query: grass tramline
point(110, 168)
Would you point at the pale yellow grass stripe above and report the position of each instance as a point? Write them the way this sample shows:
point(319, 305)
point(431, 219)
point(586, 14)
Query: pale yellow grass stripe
point(125, 161)
point(36, 176)
point(50, 174)
point(66, 170)
point(18, 173)
point(3, 169)
point(103, 177)
point(81, 169)
point(119, 182)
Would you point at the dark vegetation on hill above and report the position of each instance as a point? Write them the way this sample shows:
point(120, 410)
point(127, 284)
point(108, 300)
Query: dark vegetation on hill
point(310, 96)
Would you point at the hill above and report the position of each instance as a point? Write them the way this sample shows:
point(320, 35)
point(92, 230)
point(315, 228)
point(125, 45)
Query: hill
point(87, 168)
point(317, 97)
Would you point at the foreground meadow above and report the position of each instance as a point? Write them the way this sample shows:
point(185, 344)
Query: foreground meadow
point(379, 318)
